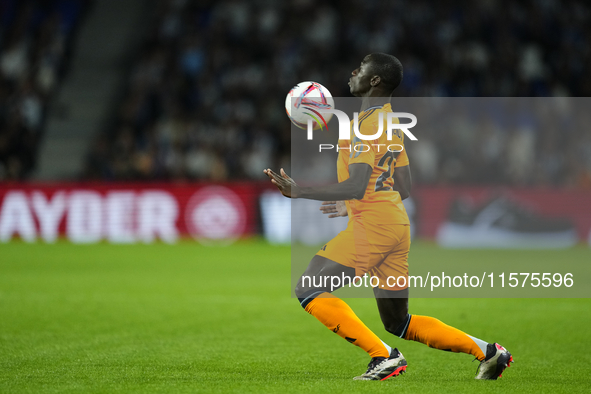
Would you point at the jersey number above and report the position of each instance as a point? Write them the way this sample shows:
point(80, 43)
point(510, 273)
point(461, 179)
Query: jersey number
point(389, 157)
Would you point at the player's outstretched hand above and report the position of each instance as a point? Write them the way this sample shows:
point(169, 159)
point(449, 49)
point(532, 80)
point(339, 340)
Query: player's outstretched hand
point(284, 183)
point(334, 209)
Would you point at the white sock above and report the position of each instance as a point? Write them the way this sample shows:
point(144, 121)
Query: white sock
point(387, 347)
point(481, 344)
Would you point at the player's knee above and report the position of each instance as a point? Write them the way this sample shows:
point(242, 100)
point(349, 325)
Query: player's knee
point(305, 287)
point(299, 291)
point(398, 325)
point(307, 296)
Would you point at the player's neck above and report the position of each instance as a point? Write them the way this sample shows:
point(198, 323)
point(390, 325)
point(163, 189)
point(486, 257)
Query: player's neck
point(369, 102)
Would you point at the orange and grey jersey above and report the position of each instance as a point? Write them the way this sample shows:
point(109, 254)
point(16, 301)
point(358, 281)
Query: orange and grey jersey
point(380, 204)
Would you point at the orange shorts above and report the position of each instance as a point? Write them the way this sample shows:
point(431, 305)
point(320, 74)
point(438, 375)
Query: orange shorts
point(380, 250)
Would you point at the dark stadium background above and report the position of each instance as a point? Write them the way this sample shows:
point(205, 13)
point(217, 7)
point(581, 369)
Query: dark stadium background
point(191, 92)
point(150, 121)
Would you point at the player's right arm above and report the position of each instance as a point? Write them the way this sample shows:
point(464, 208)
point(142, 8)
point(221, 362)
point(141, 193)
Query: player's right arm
point(352, 188)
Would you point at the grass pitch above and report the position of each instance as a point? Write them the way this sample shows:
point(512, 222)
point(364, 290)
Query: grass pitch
point(188, 318)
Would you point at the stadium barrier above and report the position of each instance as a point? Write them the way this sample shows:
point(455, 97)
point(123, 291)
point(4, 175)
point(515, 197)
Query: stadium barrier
point(127, 213)
point(504, 217)
point(145, 212)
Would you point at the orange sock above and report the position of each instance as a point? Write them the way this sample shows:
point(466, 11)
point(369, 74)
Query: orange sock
point(436, 334)
point(338, 317)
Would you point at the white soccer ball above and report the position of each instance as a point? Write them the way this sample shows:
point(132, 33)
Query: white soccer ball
point(304, 103)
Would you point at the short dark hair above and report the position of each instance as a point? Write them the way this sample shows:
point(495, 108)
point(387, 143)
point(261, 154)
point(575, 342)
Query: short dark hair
point(389, 69)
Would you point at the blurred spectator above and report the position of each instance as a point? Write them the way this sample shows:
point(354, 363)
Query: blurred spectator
point(204, 99)
point(34, 40)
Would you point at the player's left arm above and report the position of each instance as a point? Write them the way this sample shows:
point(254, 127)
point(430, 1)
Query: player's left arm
point(401, 175)
point(352, 188)
point(402, 181)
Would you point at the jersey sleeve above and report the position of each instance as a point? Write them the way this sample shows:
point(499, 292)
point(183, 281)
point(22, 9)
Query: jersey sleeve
point(402, 158)
point(362, 152)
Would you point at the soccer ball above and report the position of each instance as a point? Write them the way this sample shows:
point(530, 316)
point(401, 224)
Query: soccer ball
point(303, 103)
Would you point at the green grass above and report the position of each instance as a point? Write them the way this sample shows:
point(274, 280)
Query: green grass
point(188, 318)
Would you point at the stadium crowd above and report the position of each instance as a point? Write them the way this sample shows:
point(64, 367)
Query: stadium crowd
point(35, 39)
point(204, 99)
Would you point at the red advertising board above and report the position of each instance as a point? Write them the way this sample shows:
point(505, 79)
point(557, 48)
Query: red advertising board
point(125, 213)
point(555, 212)
point(144, 212)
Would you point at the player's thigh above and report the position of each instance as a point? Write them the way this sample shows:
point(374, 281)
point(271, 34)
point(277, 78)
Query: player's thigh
point(392, 291)
point(361, 246)
point(392, 272)
point(319, 276)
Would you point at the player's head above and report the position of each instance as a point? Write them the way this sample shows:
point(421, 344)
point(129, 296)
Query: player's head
point(378, 74)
